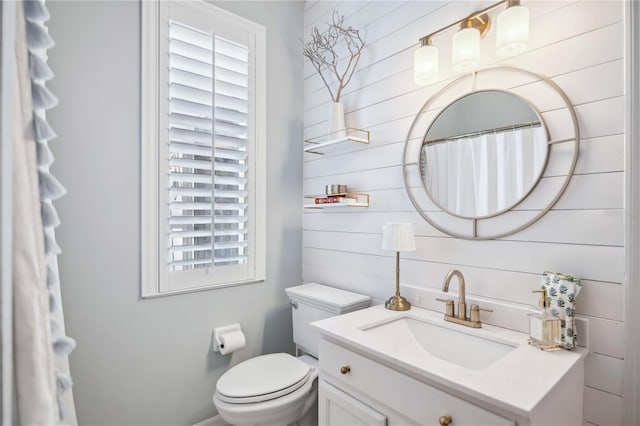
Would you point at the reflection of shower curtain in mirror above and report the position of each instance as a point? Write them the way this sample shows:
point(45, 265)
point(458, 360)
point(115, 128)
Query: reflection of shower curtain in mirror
point(482, 175)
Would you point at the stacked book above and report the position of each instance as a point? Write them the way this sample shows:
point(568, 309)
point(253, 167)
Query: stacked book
point(337, 196)
point(335, 199)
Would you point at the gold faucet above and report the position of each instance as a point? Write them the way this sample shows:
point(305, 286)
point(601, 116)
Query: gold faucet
point(449, 315)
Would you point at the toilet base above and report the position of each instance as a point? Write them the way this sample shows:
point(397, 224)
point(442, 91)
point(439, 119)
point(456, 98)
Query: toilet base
point(310, 418)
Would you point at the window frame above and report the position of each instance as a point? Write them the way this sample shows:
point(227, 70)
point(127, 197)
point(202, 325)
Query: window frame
point(155, 15)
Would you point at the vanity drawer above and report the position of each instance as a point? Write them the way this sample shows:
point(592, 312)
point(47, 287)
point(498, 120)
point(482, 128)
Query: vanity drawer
point(418, 401)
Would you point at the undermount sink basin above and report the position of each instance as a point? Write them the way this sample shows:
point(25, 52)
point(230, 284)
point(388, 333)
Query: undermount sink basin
point(454, 346)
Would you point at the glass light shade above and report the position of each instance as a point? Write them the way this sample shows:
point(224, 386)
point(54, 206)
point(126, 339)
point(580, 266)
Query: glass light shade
point(398, 237)
point(512, 34)
point(466, 50)
point(425, 65)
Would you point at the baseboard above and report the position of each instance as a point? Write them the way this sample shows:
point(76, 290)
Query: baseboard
point(213, 421)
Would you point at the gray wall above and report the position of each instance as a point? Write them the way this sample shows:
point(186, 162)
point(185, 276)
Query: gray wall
point(148, 361)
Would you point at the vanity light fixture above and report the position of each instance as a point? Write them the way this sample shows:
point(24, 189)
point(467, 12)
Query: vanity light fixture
point(512, 36)
point(426, 62)
point(398, 237)
point(465, 49)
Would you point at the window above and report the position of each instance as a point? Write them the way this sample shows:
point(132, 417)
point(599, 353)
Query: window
point(203, 159)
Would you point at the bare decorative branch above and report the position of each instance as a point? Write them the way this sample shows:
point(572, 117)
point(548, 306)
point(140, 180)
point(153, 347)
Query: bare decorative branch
point(321, 52)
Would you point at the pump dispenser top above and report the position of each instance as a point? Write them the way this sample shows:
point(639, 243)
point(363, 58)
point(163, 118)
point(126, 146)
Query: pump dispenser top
point(544, 327)
point(544, 302)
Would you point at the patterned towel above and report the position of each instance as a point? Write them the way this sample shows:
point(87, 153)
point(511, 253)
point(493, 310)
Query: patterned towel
point(563, 290)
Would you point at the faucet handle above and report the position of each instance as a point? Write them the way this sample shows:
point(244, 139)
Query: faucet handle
point(474, 306)
point(449, 312)
point(475, 312)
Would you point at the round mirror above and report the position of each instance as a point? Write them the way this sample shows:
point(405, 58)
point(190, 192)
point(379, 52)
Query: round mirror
point(483, 154)
point(491, 152)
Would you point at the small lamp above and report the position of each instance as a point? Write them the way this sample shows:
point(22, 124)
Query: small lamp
point(512, 34)
point(398, 237)
point(465, 50)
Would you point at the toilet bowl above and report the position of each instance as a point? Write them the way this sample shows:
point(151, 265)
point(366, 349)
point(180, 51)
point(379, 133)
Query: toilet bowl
point(280, 389)
point(273, 389)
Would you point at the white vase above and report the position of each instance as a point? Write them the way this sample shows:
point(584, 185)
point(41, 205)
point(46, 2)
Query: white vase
point(337, 128)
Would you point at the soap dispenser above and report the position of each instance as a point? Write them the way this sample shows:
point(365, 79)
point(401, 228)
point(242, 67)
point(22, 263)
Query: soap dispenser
point(544, 328)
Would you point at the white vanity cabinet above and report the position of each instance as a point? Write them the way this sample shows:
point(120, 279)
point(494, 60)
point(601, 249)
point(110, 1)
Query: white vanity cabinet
point(356, 390)
point(381, 367)
point(338, 408)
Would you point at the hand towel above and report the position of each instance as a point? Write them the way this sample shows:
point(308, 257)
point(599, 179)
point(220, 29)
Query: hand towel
point(563, 290)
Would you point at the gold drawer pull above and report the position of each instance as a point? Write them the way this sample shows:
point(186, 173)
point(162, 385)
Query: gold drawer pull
point(345, 369)
point(445, 420)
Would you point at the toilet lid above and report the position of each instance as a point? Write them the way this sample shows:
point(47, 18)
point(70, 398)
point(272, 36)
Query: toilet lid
point(263, 377)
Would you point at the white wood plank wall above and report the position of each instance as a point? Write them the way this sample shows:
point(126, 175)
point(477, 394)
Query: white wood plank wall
point(580, 45)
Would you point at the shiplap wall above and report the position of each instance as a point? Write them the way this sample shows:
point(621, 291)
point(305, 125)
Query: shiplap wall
point(580, 45)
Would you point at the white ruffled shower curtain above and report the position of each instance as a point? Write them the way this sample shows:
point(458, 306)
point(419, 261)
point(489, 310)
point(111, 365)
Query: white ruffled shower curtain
point(480, 175)
point(41, 367)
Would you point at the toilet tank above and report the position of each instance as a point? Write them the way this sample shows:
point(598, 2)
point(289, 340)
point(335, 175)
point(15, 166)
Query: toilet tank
point(312, 302)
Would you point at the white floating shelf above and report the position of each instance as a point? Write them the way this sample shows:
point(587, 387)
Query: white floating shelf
point(316, 145)
point(361, 200)
point(334, 205)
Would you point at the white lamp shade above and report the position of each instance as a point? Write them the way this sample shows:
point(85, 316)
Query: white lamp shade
point(425, 65)
point(512, 34)
point(398, 237)
point(466, 50)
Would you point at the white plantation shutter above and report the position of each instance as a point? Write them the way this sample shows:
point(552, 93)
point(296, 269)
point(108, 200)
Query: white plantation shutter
point(208, 149)
point(210, 216)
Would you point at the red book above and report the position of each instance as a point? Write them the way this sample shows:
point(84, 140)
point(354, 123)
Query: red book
point(328, 200)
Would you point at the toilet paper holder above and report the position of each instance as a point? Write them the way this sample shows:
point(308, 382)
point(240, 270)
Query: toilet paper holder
point(219, 331)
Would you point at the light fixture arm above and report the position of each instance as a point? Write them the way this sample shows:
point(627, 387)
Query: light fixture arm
point(426, 41)
point(481, 15)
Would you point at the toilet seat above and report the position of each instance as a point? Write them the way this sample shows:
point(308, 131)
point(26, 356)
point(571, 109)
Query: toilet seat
point(263, 378)
point(284, 410)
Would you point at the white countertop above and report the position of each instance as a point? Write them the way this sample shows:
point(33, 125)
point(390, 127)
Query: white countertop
point(517, 382)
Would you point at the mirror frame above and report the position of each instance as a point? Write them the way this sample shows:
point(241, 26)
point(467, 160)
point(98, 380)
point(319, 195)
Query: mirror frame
point(413, 149)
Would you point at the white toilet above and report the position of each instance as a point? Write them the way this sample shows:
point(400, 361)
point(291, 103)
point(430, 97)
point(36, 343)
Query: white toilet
point(280, 389)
